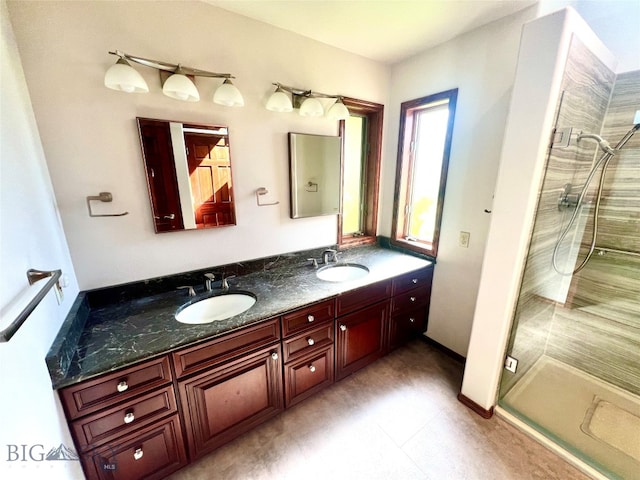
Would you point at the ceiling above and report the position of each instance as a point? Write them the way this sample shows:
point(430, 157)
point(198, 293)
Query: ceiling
point(387, 31)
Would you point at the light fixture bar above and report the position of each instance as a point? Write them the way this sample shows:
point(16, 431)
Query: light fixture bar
point(305, 93)
point(170, 67)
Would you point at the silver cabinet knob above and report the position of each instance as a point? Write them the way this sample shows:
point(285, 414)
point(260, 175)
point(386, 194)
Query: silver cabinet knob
point(274, 355)
point(129, 417)
point(311, 318)
point(310, 341)
point(137, 455)
point(414, 280)
point(122, 386)
point(312, 368)
point(343, 327)
point(412, 320)
point(413, 299)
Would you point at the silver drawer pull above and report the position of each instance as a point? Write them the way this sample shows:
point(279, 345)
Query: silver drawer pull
point(312, 368)
point(137, 455)
point(412, 320)
point(414, 280)
point(122, 386)
point(274, 355)
point(129, 417)
point(310, 341)
point(311, 318)
point(343, 327)
point(413, 299)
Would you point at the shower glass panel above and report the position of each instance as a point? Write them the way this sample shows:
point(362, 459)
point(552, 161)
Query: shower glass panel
point(576, 335)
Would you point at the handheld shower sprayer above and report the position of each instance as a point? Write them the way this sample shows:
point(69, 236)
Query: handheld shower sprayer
point(602, 143)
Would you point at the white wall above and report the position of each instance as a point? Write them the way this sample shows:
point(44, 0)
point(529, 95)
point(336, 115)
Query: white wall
point(90, 139)
point(481, 64)
point(31, 236)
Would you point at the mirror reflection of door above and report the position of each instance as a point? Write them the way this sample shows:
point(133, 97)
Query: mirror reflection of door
point(189, 177)
point(161, 175)
point(210, 179)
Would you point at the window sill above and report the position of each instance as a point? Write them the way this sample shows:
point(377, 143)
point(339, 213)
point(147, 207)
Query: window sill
point(414, 246)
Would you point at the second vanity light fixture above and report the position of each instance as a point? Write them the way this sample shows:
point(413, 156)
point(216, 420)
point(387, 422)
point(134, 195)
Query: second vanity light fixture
point(307, 101)
point(175, 80)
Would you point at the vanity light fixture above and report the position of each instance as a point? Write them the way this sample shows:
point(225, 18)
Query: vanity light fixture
point(306, 101)
point(177, 80)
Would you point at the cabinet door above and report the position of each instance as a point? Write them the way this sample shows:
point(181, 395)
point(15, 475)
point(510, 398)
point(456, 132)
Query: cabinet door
point(360, 338)
point(224, 402)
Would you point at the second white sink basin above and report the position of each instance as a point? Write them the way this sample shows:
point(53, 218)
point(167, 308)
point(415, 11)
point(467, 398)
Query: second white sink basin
point(220, 307)
point(342, 272)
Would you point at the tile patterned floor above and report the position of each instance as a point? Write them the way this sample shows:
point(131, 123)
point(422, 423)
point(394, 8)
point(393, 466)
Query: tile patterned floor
point(397, 419)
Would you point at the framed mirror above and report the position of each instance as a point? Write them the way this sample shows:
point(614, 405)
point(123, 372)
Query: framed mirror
point(188, 169)
point(314, 162)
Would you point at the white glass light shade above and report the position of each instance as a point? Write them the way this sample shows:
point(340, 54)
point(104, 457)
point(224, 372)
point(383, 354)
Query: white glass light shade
point(180, 87)
point(227, 94)
point(279, 101)
point(311, 107)
point(338, 111)
point(125, 78)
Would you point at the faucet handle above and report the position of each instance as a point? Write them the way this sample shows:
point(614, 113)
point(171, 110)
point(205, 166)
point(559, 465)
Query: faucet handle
point(313, 261)
point(225, 285)
point(192, 292)
point(210, 276)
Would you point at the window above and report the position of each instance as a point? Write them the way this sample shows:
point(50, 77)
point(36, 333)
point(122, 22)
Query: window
point(424, 143)
point(362, 140)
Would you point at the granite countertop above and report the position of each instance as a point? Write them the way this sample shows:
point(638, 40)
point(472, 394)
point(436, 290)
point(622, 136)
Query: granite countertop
point(112, 336)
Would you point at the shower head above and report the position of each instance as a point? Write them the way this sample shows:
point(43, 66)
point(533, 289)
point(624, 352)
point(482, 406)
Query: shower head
point(602, 143)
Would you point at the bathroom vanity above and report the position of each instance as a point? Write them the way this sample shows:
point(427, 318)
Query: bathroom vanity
point(172, 393)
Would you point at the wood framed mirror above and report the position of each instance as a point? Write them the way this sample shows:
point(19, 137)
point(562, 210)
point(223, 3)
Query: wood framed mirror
point(188, 170)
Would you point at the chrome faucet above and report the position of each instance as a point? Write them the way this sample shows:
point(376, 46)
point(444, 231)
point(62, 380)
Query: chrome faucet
point(209, 277)
point(192, 292)
point(329, 255)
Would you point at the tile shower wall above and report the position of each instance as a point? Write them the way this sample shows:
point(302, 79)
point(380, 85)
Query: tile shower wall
point(599, 329)
point(586, 87)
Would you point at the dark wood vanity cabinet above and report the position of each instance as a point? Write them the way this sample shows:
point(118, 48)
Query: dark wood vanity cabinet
point(361, 332)
point(151, 419)
point(229, 385)
point(409, 306)
point(308, 351)
point(125, 424)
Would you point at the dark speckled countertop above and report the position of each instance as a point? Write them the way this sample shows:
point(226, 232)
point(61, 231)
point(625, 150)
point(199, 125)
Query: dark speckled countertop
point(99, 339)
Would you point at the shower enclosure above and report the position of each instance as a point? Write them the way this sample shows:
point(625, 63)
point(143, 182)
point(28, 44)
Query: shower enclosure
point(574, 352)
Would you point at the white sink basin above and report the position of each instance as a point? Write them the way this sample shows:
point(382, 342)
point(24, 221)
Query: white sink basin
point(220, 307)
point(342, 272)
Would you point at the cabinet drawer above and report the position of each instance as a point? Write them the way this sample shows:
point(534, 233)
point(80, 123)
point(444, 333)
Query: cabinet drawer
point(92, 395)
point(103, 426)
point(152, 453)
point(363, 297)
point(309, 317)
point(194, 359)
point(411, 280)
point(405, 325)
point(308, 342)
point(308, 375)
point(417, 297)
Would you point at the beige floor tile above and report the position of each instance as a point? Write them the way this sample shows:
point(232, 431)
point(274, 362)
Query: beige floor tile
point(397, 419)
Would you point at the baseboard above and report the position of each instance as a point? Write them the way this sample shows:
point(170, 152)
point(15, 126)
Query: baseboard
point(447, 351)
point(475, 407)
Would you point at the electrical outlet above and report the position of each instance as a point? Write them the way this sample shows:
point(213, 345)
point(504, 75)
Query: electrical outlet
point(463, 239)
point(511, 364)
